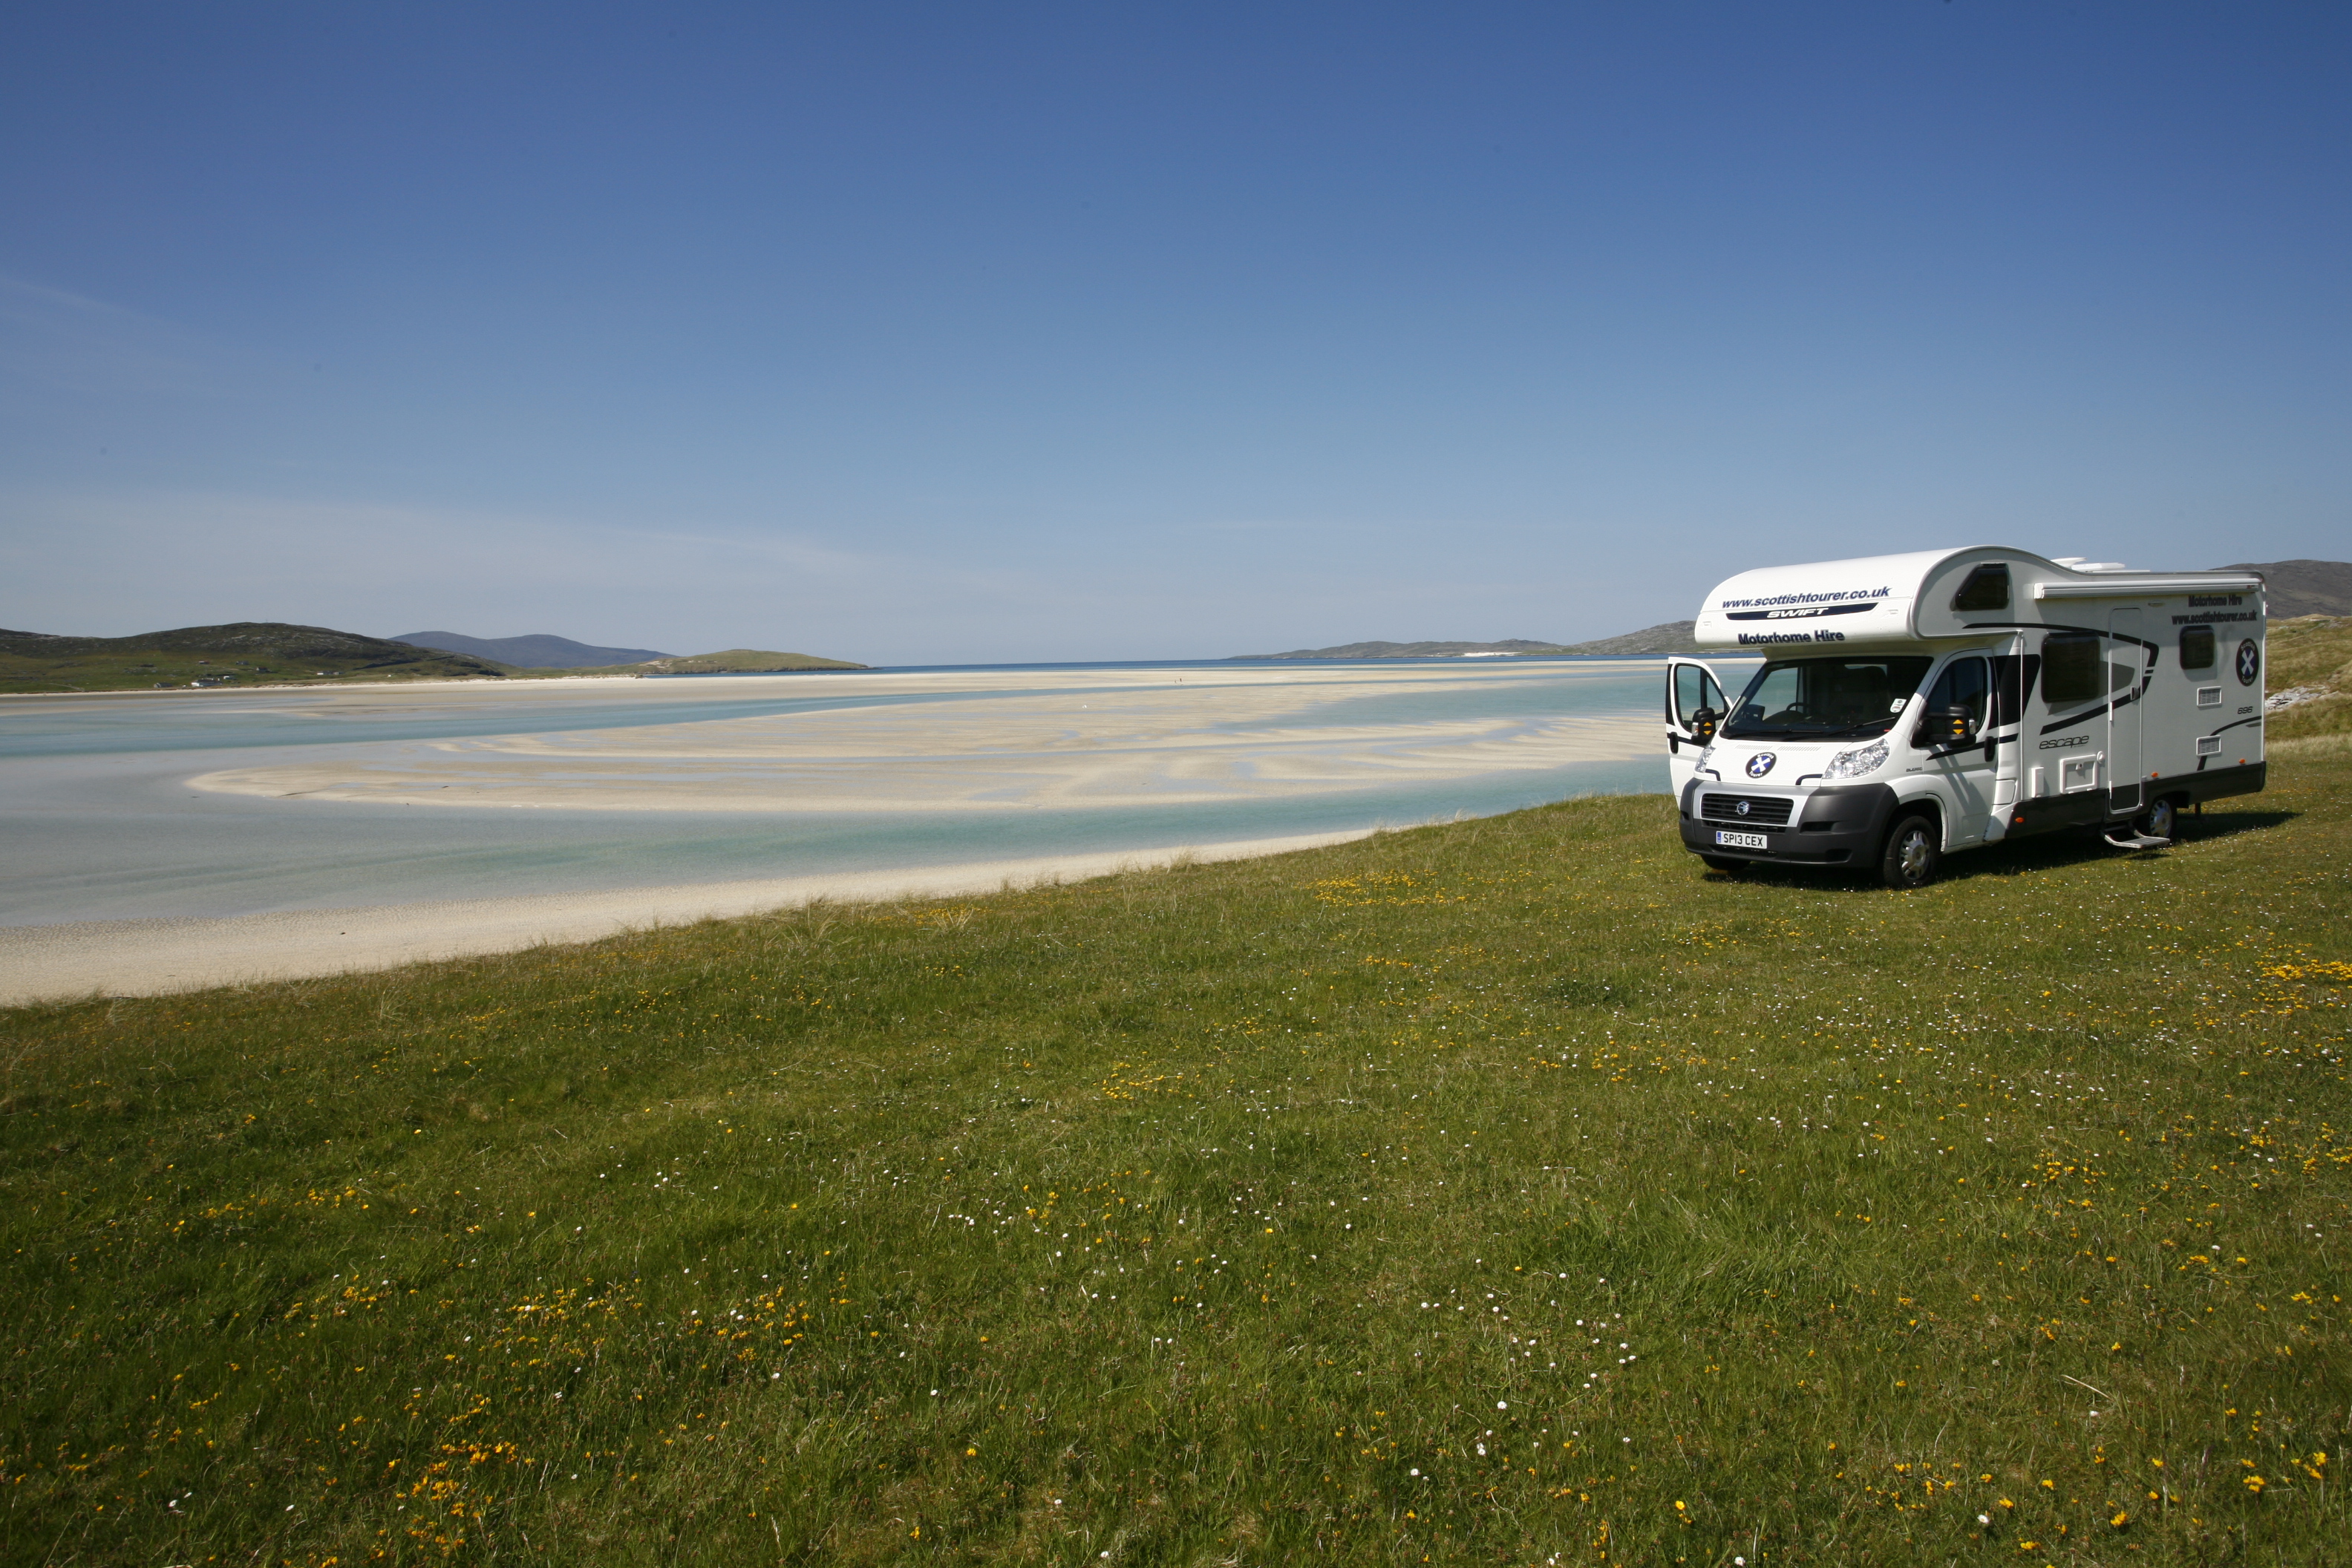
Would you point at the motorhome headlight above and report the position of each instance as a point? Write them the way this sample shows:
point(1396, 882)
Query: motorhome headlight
point(1853, 764)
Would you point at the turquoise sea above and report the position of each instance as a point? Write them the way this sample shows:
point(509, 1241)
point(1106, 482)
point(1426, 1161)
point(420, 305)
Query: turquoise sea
point(98, 822)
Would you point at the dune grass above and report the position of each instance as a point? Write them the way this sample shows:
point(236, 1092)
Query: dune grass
point(1504, 1192)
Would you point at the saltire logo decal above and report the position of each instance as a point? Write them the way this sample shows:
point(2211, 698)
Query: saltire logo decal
point(1762, 763)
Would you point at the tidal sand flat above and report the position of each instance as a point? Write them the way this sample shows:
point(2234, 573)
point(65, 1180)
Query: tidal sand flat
point(1111, 739)
point(150, 836)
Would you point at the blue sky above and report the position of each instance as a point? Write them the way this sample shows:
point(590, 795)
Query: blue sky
point(914, 333)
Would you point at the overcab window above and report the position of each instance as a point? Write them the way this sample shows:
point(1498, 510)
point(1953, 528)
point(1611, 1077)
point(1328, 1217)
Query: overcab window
point(1986, 588)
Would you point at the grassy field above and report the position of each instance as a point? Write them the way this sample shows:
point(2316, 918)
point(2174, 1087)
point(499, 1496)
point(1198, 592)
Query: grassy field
point(2312, 654)
point(1506, 1192)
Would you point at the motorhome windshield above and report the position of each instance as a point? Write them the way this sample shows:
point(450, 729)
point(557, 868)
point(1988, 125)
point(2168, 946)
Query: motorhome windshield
point(1824, 699)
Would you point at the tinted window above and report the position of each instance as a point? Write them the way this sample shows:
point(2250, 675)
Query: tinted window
point(1962, 685)
point(2196, 647)
point(2072, 669)
point(1791, 698)
point(1986, 589)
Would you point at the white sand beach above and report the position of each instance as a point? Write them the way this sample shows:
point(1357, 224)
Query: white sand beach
point(629, 804)
point(151, 958)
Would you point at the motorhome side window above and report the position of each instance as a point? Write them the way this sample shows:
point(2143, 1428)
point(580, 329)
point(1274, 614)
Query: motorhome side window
point(2196, 647)
point(1966, 684)
point(1986, 589)
point(2072, 669)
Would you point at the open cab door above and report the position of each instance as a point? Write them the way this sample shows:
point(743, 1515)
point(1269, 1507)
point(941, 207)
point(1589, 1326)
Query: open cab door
point(1695, 707)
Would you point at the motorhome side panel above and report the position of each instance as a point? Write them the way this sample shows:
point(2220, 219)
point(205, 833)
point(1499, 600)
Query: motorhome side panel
point(2218, 661)
point(2136, 699)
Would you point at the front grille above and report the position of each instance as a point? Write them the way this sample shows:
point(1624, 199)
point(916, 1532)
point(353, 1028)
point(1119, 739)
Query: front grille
point(1763, 810)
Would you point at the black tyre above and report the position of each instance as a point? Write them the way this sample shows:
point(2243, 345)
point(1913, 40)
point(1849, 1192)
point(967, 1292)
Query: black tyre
point(1727, 864)
point(1915, 852)
point(2160, 820)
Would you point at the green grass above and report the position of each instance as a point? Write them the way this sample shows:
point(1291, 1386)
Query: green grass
point(2315, 653)
point(1222, 1214)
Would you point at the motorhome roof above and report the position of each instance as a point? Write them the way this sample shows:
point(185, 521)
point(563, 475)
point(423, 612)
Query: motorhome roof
point(1877, 598)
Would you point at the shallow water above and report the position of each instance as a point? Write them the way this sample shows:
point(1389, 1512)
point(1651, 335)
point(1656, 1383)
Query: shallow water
point(98, 822)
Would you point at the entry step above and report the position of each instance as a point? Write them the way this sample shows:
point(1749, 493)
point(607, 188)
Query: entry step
point(2138, 841)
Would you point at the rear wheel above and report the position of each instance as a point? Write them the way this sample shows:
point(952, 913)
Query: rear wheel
point(1913, 856)
point(2160, 820)
point(1724, 863)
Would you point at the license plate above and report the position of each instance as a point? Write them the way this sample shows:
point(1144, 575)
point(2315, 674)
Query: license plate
point(1742, 840)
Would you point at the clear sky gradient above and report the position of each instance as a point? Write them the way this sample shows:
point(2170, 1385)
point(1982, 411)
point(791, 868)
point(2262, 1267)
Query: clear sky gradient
point(951, 332)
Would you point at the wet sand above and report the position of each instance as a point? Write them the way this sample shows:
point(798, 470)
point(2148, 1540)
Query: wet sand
point(156, 957)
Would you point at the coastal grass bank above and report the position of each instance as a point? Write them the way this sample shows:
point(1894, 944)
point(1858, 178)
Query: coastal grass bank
point(1512, 1191)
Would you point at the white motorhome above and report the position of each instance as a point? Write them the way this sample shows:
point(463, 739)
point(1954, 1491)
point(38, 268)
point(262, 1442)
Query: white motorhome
point(1912, 706)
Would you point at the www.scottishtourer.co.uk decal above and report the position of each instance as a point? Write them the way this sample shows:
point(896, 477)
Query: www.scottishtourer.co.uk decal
point(1797, 601)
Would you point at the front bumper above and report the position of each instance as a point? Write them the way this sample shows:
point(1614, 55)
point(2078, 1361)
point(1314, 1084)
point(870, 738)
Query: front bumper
point(1838, 825)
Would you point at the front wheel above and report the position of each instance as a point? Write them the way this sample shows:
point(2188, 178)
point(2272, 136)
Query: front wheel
point(2160, 820)
point(1913, 854)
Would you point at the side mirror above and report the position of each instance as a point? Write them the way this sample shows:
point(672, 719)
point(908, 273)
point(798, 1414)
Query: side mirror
point(1959, 725)
point(1703, 725)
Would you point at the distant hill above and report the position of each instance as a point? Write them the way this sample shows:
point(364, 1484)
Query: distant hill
point(1410, 649)
point(738, 662)
point(540, 650)
point(243, 652)
point(2303, 587)
point(1667, 637)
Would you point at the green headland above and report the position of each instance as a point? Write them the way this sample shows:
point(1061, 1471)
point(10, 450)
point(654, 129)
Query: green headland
point(272, 653)
point(246, 653)
point(1509, 1191)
